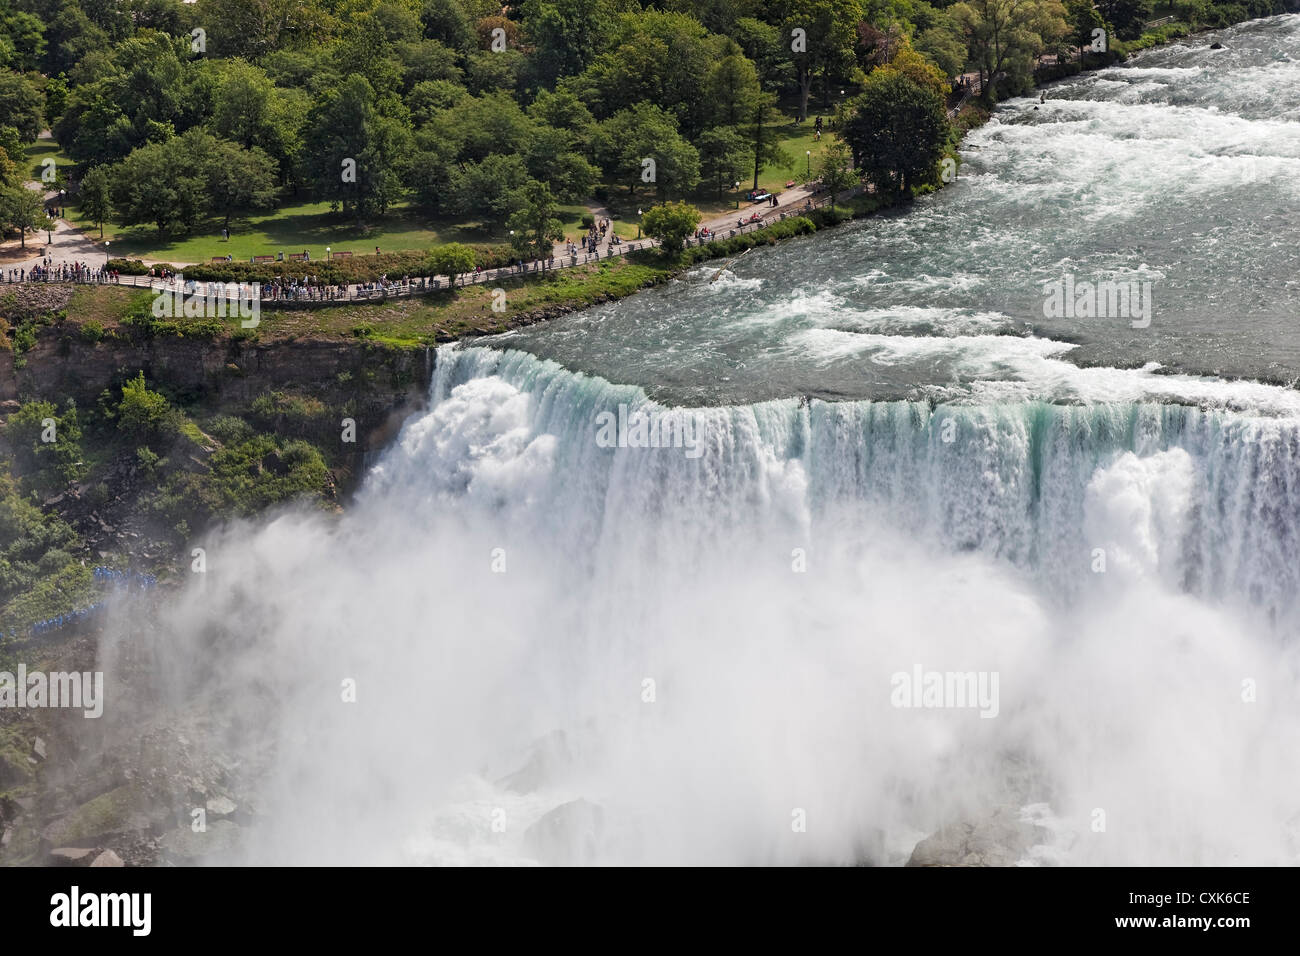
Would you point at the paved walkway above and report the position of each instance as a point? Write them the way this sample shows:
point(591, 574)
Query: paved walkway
point(71, 245)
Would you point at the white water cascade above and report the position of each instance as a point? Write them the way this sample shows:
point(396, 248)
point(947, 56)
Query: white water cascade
point(504, 580)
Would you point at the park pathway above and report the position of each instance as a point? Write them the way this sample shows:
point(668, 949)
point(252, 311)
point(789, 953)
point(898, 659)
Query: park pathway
point(71, 245)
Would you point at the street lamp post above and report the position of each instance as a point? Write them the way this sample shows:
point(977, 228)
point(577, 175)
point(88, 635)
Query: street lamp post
point(327, 253)
point(808, 157)
point(638, 223)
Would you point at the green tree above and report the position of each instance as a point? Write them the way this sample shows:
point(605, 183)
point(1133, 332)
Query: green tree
point(917, 68)
point(249, 109)
point(724, 157)
point(430, 170)
point(22, 38)
point(534, 224)
point(428, 98)
point(762, 44)
point(142, 412)
point(10, 174)
point(896, 129)
point(765, 148)
point(46, 444)
point(1082, 18)
point(567, 171)
point(829, 31)
point(944, 45)
point(563, 110)
point(22, 209)
point(447, 22)
point(1128, 17)
point(140, 93)
point(253, 28)
point(1005, 36)
point(567, 34)
point(731, 86)
point(69, 36)
point(1192, 12)
point(165, 184)
point(353, 154)
point(670, 223)
point(21, 105)
point(488, 72)
point(641, 145)
point(835, 168)
point(489, 189)
point(452, 260)
point(239, 179)
point(658, 57)
point(490, 124)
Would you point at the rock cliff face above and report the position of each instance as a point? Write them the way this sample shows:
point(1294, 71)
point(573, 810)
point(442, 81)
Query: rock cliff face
point(378, 385)
point(102, 803)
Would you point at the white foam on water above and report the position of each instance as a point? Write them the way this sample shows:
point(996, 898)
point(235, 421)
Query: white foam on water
point(770, 589)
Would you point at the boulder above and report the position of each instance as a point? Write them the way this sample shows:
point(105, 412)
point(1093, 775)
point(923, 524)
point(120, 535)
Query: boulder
point(108, 858)
point(219, 807)
point(73, 856)
point(1000, 839)
point(110, 814)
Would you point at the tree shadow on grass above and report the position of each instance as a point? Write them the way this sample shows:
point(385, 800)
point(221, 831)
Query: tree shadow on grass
point(297, 231)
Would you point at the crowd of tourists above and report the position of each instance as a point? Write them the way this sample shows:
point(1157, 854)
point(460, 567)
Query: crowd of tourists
point(61, 272)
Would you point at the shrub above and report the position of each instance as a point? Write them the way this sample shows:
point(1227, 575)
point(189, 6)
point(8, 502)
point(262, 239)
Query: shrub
point(141, 410)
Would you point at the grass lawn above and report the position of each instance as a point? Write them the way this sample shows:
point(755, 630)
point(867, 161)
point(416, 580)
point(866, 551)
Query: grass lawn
point(43, 149)
point(803, 150)
point(310, 226)
point(105, 304)
point(416, 321)
point(572, 215)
